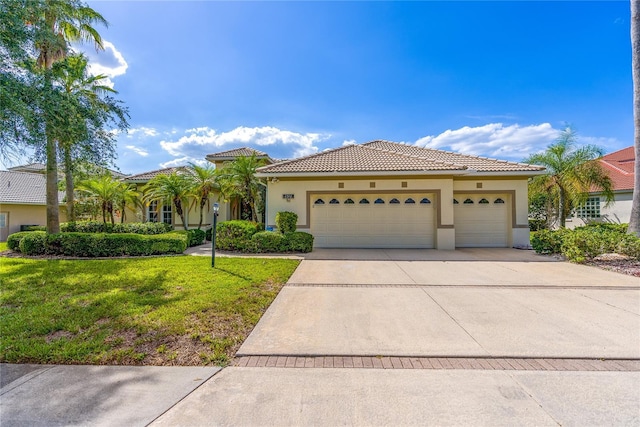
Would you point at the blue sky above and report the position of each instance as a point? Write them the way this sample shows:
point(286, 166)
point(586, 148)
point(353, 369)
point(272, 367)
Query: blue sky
point(496, 79)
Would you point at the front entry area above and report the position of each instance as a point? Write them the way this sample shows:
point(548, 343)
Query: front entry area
point(373, 220)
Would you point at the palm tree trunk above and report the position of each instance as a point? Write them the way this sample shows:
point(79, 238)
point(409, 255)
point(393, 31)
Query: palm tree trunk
point(202, 203)
point(53, 213)
point(68, 176)
point(561, 208)
point(634, 220)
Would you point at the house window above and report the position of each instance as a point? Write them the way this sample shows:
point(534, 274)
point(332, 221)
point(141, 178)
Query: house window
point(483, 201)
point(152, 211)
point(468, 202)
point(379, 202)
point(364, 202)
point(334, 202)
point(499, 200)
point(425, 201)
point(410, 201)
point(590, 209)
point(167, 218)
point(394, 201)
point(319, 202)
point(455, 202)
point(349, 202)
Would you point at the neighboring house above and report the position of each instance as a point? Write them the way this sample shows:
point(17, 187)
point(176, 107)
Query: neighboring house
point(388, 195)
point(42, 168)
point(620, 167)
point(23, 201)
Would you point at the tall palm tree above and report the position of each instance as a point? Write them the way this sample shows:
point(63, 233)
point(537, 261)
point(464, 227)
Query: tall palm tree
point(239, 180)
point(572, 173)
point(634, 221)
point(205, 185)
point(57, 24)
point(73, 75)
point(105, 191)
point(127, 195)
point(175, 189)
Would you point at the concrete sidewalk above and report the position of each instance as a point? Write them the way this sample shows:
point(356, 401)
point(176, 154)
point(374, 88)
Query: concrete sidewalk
point(50, 395)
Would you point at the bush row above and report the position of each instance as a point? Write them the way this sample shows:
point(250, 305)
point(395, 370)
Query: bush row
point(195, 237)
point(583, 243)
point(148, 228)
point(97, 244)
point(245, 236)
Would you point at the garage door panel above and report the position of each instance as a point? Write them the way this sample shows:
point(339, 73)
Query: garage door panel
point(373, 225)
point(481, 224)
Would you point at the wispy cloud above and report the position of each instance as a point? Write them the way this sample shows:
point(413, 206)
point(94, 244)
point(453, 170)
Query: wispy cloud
point(348, 142)
point(140, 151)
point(109, 62)
point(198, 142)
point(513, 142)
point(142, 131)
point(183, 161)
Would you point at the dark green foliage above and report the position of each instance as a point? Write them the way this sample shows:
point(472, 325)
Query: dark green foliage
point(34, 243)
point(13, 241)
point(102, 227)
point(584, 243)
point(101, 244)
point(299, 241)
point(268, 241)
point(537, 224)
point(34, 228)
point(207, 234)
point(235, 235)
point(286, 222)
point(195, 237)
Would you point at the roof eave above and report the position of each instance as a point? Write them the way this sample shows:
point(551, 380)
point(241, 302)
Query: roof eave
point(359, 173)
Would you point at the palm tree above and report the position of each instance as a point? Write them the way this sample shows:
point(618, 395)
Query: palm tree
point(238, 179)
point(572, 173)
point(127, 195)
point(73, 74)
point(57, 24)
point(634, 221)
point(105, 191)
point(205, 184)
point(175, 189)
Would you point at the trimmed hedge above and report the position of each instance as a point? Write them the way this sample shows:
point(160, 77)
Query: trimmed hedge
point(195, 237)
point(13, 241)
point(147, 228)
point(299, 241)
point(286, 222)
point(235, 235)
point(268, 241)
point(584, 243)
point(100, 244)
point(244, 236)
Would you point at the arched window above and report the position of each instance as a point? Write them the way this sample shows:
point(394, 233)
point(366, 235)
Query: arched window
point(410, 201)
point(334, 202)
point(364, 202)
point(499, 200)
point(483, 201)
point(379, 201)
point(455, 202)
point(394, 201)
point(468, 202)
point(319, 202)
point(425, 201)
point(349, 202)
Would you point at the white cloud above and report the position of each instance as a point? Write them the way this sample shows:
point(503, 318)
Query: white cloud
point(513, 142)
point(183, 161)
point(109, 62)
point(349, 142)
point(140, 151)
point(198, 142)
point(142, 131)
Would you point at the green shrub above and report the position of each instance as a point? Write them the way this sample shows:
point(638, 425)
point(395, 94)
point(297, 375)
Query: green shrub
point(235, 235)
point(548, 241)
point(268, 241)
point(629, 245)
point(34, 243)
point(13, 241)
point(195, 237)
point(605, 226)
point(147, 228)
point(115, 244)
point(537, 224)
point(34, 228)
point(299, 241)
point(286, 222)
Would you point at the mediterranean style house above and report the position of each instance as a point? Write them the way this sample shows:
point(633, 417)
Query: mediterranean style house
point(383, 194)
point(620, 168)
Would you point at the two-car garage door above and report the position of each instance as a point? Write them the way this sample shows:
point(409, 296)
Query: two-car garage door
point(373, 220)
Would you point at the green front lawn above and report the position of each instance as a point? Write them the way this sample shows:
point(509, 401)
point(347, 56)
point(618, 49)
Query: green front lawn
point(151, 311)
point(3, 246)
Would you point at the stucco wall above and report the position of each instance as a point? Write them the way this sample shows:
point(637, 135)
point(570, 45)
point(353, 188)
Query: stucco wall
point(618, 212)
point(28, 215)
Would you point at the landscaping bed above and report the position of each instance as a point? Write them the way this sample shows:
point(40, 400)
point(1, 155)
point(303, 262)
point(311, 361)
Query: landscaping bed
point(144, 311)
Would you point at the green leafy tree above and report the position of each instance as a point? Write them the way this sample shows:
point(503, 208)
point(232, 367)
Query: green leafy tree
point(205, 185)
point(634, 221)
point(572, 173)
point(95, 110)
point(238, 180)
point(175, 188)
point(105, 191)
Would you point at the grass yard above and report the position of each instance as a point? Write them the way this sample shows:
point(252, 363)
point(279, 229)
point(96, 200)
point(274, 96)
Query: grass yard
point(3, 246)
point(144, 311)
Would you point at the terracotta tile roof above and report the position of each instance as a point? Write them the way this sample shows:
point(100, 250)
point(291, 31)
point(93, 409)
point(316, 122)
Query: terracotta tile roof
point(620, 167)
point(24, 188)
point(237, 152)
point(382, 156)
point(147, 176)
point(480, 164)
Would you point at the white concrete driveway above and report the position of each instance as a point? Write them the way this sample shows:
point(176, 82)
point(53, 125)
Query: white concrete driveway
point(524, 307)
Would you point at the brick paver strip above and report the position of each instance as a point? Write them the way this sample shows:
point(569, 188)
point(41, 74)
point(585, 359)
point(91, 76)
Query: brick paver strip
point(474, 363)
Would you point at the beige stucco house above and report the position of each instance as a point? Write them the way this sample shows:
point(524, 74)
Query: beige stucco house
point(388, 195)
point(620, 166)
point(23, 201)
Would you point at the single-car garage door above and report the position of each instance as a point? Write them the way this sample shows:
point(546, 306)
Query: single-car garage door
point(374, 220)
point(481, 220)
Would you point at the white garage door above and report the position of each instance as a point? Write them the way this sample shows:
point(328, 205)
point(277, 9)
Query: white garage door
point(481, 220)
point(373, 220)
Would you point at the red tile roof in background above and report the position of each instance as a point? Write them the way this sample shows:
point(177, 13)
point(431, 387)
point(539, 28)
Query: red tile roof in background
point(620, 165)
